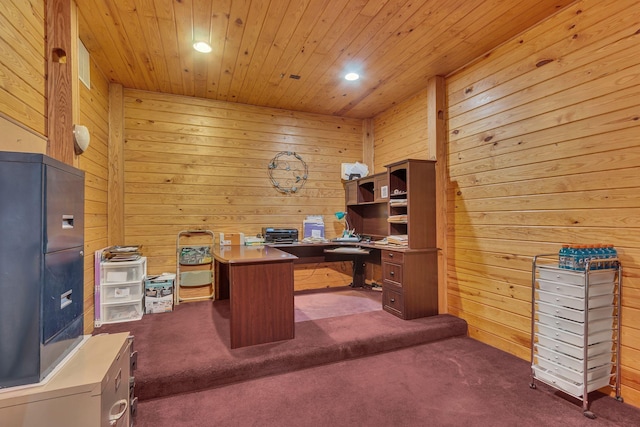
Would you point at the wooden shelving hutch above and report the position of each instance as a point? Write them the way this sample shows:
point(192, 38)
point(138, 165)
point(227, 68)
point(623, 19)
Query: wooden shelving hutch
point(413, 181)
point(406, 192)
point(366, 206)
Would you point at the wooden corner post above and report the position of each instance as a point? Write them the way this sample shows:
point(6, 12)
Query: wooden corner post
point(437, 144)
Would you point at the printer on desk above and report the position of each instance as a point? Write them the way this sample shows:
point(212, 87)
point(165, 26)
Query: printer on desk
point(279, 235)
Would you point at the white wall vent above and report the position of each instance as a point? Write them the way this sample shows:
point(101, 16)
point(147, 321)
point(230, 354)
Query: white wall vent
point(84, 68)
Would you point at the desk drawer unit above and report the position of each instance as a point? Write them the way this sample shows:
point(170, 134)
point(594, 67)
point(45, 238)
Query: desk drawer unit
point(392, 273)
point(574, 330)
point(392, 256)
point(409, 283)
point(392, 300)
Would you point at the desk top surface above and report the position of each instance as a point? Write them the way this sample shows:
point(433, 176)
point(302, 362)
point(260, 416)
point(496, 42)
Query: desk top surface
point(333, 244)
point(248, 254)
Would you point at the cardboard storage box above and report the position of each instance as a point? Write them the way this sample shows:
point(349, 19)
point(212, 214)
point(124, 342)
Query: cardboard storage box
point(158, 294)
point(230, 239)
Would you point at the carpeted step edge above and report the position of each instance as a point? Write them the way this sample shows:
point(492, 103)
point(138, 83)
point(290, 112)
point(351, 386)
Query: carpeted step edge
point(296, 358)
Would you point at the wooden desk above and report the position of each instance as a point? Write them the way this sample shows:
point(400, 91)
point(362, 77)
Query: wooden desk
point(258, 280)
point(331, 251)
point(409, 276)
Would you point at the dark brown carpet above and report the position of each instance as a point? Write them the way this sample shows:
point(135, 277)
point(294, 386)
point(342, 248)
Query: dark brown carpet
point(451, 382)
point(364, 369)
point(335, 302)
point(188, 349)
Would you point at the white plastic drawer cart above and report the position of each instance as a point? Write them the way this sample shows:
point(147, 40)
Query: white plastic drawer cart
point(119, 295)
point(194, 264)
point(575, 327)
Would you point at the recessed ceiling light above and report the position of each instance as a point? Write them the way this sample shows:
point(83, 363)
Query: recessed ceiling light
point(352, 76)
point(202, 47)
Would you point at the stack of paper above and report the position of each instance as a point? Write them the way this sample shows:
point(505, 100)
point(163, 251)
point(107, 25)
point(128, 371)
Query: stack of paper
point(398, 202)
point(398, 239)
point(402, 219)
point(121, 253)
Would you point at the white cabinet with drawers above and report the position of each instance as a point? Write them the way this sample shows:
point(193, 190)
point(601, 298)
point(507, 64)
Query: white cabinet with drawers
point(119, 293)
point(575, 334)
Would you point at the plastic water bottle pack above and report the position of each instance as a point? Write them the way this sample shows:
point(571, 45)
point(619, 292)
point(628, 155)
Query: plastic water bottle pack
point(577, 257)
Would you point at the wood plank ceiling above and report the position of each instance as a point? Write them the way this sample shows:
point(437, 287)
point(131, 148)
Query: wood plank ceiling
point(293, 54)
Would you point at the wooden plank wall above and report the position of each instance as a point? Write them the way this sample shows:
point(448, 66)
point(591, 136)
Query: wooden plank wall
point(94, 114)
point(401, 133)
point(192, 163)
point(23, 63)
point(544, 150)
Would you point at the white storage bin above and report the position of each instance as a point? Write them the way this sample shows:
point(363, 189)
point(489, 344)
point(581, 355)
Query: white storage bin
point(575, 389)
point(574, 376)
point(126, 271)
point(575, 339)
point(573, 314)
point(596, 325)
point(121, 292)
point(575, 290)
point(573, 362)
point(593, 350)
point(557, 274)
point(575, 303)
point(114, 313)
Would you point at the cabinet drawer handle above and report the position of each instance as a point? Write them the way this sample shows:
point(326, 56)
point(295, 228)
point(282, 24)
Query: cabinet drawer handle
point(390, 254)
point(118, 379)
point(393, 300)
point(133, 360)
point(113, 418)
point(391, 273)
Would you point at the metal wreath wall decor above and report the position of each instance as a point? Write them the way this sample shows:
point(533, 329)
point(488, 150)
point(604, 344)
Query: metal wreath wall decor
point(288, 172)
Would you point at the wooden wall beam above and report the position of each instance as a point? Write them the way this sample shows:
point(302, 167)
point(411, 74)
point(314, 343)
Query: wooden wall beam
point(75, 81)
point(437, 144)
point(115, 217)
point(367, 144)
point(59, 77)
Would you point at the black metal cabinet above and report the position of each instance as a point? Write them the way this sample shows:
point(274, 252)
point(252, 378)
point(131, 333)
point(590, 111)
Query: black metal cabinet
point(41, 265)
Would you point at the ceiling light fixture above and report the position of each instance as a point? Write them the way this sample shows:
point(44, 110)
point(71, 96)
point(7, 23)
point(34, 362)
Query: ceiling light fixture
point(203, 47)
point(352, 76)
